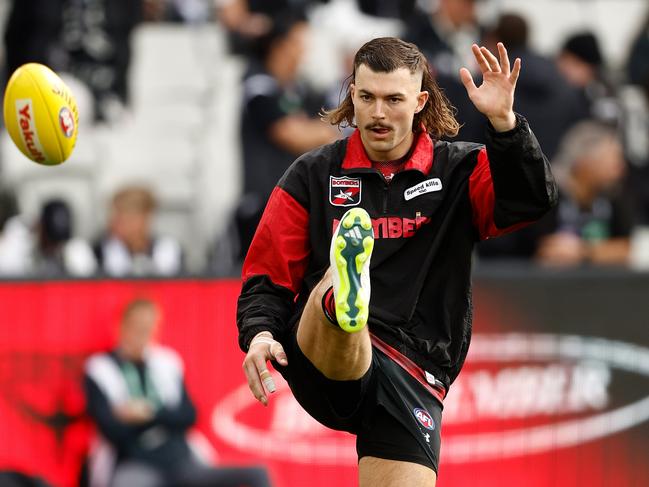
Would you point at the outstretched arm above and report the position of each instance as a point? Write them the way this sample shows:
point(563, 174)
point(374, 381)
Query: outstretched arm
point(511, 184)
point(494, 98)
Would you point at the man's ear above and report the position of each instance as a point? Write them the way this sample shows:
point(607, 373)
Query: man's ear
point(422, 99)
point(352, 90)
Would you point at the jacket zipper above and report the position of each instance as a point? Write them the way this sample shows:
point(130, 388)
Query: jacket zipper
point(386, 193)
point(386, 189)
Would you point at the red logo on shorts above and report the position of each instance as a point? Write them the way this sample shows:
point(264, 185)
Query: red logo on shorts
point(424, 418)
point(66, 121)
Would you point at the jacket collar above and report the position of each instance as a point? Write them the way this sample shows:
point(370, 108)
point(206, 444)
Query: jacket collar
point(421, 158)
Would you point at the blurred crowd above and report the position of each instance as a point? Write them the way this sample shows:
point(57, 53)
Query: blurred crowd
point(592, 122)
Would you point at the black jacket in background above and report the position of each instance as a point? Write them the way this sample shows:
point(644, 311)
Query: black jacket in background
point(172, 454)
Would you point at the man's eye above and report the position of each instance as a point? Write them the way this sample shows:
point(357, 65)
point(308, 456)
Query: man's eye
point(365, 97)
point(395, 100)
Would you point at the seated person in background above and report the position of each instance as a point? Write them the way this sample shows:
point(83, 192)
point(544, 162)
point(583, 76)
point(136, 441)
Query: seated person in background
point(15, 239)
point(56, 252)
point(593, 221)
point(248, 21)
point(549, 102)
point(137, 396)
point(130, 248)
point(444, 30)
point(276, 126)
point(637, 65)
point(581, 62)
point(398, 9)
point(244, 23)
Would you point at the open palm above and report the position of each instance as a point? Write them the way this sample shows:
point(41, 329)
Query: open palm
point(495, 96)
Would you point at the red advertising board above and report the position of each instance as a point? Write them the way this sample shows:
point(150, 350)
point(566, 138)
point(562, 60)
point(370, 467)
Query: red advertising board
point(549, 396)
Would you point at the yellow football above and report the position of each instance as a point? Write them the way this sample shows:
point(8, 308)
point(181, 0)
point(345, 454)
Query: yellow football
point(41, 114)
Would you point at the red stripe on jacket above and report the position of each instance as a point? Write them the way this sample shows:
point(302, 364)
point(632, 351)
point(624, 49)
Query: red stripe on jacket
point(483, 200)
point(280, 248)
point(409, 366)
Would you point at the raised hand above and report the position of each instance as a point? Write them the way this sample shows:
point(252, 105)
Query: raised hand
point(495, 96)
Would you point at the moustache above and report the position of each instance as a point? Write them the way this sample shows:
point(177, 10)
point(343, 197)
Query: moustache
point(377, 126)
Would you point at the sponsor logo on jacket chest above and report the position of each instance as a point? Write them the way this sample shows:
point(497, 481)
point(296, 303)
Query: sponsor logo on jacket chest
point(428, 186)
point(344, 191)
point(393, 226)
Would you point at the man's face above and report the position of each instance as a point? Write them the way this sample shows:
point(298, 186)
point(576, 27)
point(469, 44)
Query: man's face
point(130, 225)
point(290, 50)
point(607, 166)
point(576, 71)
point(296, 41)
point(459, 12)
point(138, 330)
point(384, 108)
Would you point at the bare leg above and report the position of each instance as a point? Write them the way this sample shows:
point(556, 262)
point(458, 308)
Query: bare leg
point(337, 354)
point(378, 472)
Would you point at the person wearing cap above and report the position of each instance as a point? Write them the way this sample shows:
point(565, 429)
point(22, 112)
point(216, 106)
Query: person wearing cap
point(56, 250)
point(581, 62)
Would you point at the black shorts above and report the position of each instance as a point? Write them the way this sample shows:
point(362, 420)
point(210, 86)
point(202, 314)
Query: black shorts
point(393, 411)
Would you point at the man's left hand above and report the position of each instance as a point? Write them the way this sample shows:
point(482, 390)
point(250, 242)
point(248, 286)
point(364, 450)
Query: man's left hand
point(495, 96)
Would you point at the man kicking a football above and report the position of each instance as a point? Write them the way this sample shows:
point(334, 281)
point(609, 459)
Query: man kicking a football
point(413, 208)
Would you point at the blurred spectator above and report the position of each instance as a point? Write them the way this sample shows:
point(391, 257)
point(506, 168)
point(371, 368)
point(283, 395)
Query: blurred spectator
point(137, 396)
point(88, 38)
point(15, 239)
point(186, 11)
point(398, 9)
point(130, 248)
point(50, 250)
point(56, 251)
point(594, 218)
point(276, 126)
point(549, 103)
point(593, 221)
point(244, 24)
point(32, 33)
point(445, 37)
point(96, 37)
point(635, 102)
point(247, 21)
point(638, 61)
point(581, 62)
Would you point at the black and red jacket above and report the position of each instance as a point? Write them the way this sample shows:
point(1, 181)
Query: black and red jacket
point(426, 222)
